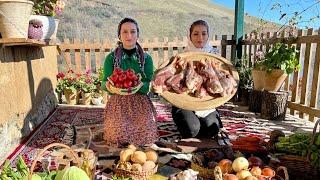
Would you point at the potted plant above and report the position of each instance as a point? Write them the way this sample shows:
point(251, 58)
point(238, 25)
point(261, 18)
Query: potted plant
point(87, 86)
point(68, 84)
point(275, 65)
point(46, 11)
point(97, 97)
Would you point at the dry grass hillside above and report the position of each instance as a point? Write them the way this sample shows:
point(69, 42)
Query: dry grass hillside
point(157, 18)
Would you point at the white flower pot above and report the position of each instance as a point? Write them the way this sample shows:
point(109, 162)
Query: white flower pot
point(97, 101)
point(49, 28)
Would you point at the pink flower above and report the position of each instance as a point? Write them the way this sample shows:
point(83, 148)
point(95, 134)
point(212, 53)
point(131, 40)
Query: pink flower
point(88, 81)
point(58, 11)
point(259, 55)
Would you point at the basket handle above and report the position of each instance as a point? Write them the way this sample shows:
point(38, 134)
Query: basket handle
point(313, 138)
point(44, 150)
point(285, 171)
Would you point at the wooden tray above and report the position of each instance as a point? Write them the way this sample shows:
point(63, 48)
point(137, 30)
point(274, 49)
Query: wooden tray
point(188, 102)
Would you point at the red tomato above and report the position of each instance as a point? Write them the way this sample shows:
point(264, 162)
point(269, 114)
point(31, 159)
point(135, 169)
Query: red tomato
point(122, 78)
point(118, 85)
point(129, 83)
point(117, 71)
point(114, 78)
point(134, 83)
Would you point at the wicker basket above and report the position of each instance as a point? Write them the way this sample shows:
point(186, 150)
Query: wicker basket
point(67, 152)
point(124, 91)
point(203, 172)
point(300, 166)
point(14, 18)
point(136, 175)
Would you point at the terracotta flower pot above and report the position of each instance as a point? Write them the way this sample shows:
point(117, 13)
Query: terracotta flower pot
point(274, 80)
point(72, 98)
point(85, 98)
point(258, 79)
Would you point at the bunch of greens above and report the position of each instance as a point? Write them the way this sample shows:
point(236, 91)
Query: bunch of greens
point(8, 173)
point(281, 56)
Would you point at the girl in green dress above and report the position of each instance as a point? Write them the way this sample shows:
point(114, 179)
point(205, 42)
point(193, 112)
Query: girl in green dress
point(129, 118)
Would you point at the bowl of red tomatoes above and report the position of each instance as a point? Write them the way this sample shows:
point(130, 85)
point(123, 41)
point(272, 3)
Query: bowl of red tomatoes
point(124, 82)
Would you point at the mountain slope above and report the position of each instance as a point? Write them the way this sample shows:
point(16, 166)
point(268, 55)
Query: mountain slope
point(156, 18)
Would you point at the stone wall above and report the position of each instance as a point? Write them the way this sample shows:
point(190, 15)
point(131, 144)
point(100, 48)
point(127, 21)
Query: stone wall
point(27, 82)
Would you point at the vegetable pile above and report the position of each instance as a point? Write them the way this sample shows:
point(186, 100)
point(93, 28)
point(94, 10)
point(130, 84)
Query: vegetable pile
point(299, 144)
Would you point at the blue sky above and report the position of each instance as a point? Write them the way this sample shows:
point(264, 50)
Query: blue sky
point(262, 9)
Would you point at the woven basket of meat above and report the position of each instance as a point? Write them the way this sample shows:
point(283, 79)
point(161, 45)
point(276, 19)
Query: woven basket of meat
point(196, 81)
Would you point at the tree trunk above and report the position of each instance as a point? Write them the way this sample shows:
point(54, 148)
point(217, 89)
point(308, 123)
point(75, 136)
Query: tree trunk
point(255, 99)
point(274, 105)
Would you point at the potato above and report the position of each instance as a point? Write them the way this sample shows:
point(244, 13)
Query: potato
point(125, 155)
point(148, 165)
point(139, 157)
point(131, 146)
point(152, 156)
point(136, 167)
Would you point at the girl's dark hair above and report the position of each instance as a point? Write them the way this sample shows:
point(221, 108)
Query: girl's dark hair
point(196, 23)
point(125, 20)
point(119, 50)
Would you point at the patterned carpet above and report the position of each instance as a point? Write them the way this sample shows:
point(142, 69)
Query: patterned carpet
point(63, 124)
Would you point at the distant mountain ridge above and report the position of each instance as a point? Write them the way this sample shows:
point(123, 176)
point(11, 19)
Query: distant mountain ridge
point(156, 18)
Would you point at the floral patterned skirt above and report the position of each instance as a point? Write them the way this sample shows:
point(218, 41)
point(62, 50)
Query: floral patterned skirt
point(130, 119)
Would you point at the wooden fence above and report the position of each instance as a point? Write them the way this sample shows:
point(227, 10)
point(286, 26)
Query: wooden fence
point(303, 86)
point(81, 55)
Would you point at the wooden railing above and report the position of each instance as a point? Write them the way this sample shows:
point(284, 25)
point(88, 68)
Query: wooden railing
point(303, 86)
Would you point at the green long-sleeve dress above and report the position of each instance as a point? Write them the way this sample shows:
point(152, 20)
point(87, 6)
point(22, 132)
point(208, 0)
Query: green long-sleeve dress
point(130, 118)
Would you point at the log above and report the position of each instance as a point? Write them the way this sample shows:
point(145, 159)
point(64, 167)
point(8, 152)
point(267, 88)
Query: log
point(274, 105)
point(255, 99)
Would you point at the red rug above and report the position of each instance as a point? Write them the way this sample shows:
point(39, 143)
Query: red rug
point(64, 119)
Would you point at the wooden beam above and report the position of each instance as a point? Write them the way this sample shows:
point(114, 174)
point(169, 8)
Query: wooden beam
point(238, 25)
point(304, 108)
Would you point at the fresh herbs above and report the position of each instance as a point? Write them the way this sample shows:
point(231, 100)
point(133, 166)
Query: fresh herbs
point(281, 56)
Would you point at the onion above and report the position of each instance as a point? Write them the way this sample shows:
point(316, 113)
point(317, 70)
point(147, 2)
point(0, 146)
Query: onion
point(268, 172)
point(230, 177)
point(250, 178)
point(239, 164)
point(243, 174)
point(256, 171)
point(225, 166)
point(255, 161)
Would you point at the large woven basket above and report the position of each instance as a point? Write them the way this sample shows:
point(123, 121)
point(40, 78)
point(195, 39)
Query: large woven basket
point(299, 166)
point(136, 175)
point(45, 149)
point(185, 101)
point(14, 18)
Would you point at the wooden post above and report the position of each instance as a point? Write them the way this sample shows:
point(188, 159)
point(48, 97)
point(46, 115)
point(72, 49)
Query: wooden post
point(274, 105)
point(238, 25)
point(255, 100)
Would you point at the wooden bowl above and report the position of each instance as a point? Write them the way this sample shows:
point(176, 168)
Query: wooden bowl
point(186, 101)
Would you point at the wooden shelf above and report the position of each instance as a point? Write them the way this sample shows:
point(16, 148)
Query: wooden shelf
point(24, 42)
